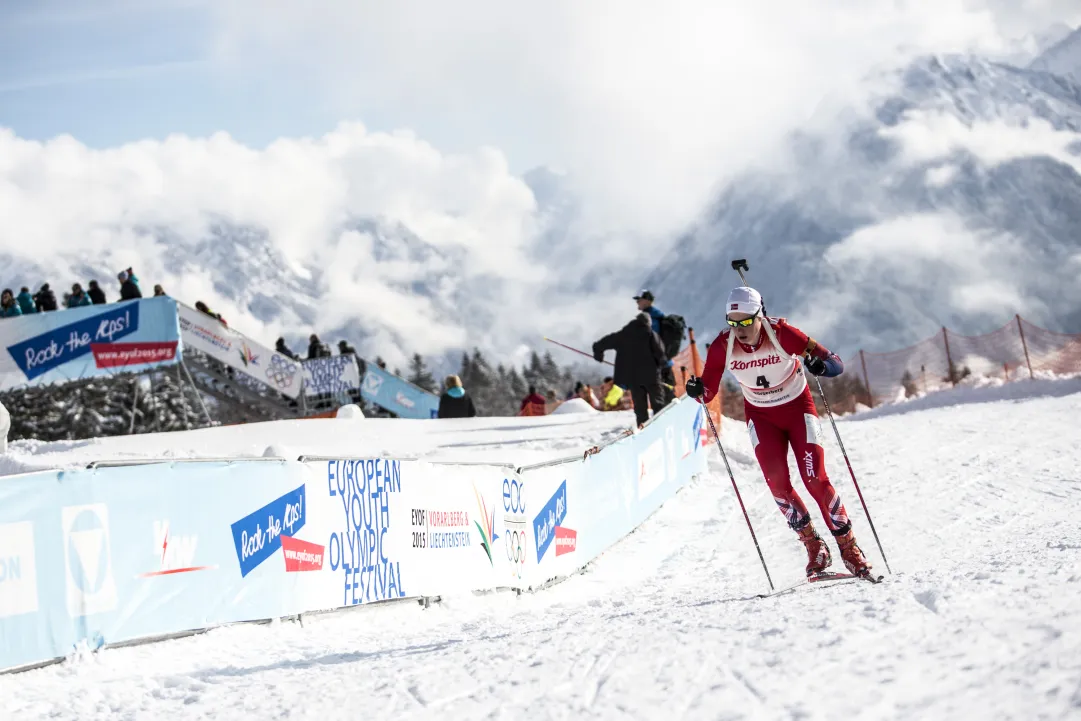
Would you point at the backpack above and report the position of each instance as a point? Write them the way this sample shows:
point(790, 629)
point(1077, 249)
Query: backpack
point(672, 334)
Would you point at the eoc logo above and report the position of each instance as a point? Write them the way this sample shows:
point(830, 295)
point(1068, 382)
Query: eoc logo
point(259, 535)
point(42, 353)
point(549, 522)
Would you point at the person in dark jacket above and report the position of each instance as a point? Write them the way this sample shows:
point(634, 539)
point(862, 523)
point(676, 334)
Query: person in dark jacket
point(26, 301)
point(159, 292)
point(45, 300)
point(97, 295)
point(316, 349)
point(455, 402)
point(9, 308)
point(129, 285)
point(77, 298)
point(639, 360)
point(285, 350)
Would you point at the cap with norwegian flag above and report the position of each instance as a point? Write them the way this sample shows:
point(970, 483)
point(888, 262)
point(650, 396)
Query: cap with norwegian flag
point(744, 299)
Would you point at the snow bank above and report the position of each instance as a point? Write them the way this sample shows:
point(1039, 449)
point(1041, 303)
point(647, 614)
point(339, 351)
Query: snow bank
point(575, 405)
point(989, 390)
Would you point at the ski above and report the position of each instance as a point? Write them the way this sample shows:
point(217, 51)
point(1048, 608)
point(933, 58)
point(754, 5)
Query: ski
point(824, 577)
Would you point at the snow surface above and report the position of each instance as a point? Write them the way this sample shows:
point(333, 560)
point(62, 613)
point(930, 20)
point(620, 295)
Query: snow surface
point(976, 504)
point(497, 439)
point(574, 405)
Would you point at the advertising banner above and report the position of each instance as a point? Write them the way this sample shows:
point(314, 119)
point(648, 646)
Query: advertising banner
point(88, 342)
point(387, 390)
point(116, 554)
point(103, 556)
point(332, 376)
point(208, 335)
point(579, 509)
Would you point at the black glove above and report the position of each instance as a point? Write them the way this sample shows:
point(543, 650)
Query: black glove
point(815, 366)
point(598, 355)
point(694, 386)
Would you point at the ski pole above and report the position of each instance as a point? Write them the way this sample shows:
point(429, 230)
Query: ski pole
point(732, 478)
point(580, 352)
point(590, 355)
point(852, 473)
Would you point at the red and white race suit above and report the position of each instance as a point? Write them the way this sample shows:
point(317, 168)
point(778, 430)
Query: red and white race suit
point(780, 413)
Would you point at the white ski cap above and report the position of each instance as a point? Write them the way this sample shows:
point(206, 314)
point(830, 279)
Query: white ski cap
point(744, 299)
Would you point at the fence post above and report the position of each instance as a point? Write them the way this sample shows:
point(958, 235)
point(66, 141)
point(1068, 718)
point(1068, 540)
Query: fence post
point(1024, 345)
point(870, 395)
point(949, 360)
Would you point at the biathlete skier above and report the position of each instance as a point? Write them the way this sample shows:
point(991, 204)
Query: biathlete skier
point(764, 354)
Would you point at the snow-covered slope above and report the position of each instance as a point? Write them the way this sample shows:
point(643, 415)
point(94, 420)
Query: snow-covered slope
point(976, 505)
point(953, 199)
point(1063, 58)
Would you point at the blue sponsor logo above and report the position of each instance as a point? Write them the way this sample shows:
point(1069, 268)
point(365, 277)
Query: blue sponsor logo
point(44, 352)
point(696, 430)
point(258, 536)
point(552, 515)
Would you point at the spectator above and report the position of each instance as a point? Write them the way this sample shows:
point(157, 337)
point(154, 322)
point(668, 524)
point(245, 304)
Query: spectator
point(551, 401)
point(645, 305)
point(77, 298)
point(45, 300)
point(9, 308)
point(26, 301)
point(345, 349)
point(611, 394)
point(285, 350)
point(532, 404)
point(639, 360)
point(316, 349)
point(129, 285)
point(97, 295)
point(668, 376)
point(158, 291)
point(455, 402)
point(205, 309)
point(585, 392)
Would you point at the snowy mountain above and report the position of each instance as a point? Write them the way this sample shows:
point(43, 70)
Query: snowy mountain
point(1063, 58)
point(952, 198)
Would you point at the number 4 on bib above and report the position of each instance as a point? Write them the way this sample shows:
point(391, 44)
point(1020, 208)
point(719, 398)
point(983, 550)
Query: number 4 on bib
point(762, 382)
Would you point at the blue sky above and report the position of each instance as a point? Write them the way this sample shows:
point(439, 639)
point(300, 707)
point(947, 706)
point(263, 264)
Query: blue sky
point(118, 71)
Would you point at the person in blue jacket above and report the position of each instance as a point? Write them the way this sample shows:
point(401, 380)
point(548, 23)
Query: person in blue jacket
point(8, 307)
point(77, 298)
point(26, 301)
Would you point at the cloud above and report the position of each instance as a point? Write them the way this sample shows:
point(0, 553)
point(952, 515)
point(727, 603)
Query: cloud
point(934, 267)
point(926, 136)
point(411, 245)
point(647, 106)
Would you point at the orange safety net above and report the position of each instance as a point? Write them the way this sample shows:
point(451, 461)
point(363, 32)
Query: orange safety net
point(1019, 349)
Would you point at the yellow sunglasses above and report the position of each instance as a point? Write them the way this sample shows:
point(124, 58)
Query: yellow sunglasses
point(746, 322)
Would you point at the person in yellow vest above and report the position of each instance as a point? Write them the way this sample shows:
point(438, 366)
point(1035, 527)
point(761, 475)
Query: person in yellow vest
point(611, 395)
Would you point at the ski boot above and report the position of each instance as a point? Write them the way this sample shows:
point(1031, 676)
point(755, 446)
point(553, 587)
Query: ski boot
point(818, 553)
point(851, 554)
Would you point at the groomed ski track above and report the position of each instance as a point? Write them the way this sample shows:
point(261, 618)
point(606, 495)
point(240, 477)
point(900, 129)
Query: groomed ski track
point(977, 505)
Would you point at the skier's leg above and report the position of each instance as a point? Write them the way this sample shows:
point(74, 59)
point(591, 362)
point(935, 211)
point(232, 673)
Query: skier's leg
point(811, 460)
point(771, 449)
point(770, 445)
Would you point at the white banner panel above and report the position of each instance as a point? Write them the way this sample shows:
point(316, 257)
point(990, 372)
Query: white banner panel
point(206, 334)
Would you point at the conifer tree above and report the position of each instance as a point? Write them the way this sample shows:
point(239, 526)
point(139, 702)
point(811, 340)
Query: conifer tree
point(420, 376)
